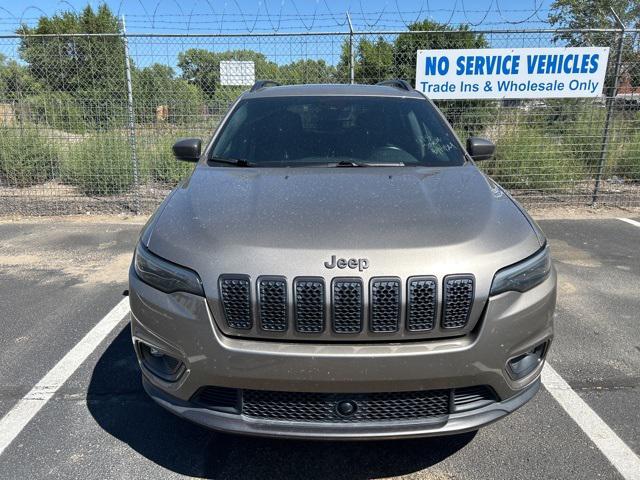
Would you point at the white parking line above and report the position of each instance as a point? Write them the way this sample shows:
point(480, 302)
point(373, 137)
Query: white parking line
point(22, 413)
point(632, 222)
point(616, 451)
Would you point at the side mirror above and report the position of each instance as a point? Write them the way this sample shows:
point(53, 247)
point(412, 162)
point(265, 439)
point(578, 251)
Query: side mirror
point(187, 149)
point(480, 148)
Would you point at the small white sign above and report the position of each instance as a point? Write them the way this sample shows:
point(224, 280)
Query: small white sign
point(237, 72)
point(512, 72)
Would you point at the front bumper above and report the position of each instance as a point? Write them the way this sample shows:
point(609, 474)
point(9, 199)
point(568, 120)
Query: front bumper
point(181, 325)
point(233, 423)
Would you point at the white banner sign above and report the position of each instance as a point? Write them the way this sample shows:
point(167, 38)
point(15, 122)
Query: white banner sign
point(237, 72)
point(512, 72)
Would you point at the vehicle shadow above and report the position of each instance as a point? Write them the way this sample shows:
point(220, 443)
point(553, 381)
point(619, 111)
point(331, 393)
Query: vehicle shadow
point(119, 404)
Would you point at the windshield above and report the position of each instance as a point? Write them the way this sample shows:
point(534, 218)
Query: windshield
point(338, 131)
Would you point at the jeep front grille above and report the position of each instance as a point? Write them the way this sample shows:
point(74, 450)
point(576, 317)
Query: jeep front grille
point(273, 304)
point(345, 308)
point(309, 305)
point(458, 299)
point(236, 301)
point(385, 305)
point(422, 300)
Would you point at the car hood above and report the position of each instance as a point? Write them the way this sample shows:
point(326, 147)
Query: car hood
point(404, 221)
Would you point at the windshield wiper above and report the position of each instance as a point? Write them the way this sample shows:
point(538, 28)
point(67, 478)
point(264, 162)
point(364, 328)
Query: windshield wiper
point(350, 163)
point(347, 163)
point(238, 162)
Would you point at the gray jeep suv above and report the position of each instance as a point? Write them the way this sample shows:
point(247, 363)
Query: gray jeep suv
point(337, 267)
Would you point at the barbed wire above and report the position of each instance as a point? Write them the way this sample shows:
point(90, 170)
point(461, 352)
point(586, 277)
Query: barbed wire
point(288, 15)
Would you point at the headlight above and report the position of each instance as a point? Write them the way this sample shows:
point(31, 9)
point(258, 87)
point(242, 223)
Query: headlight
point(524, 275)
point(164, 275)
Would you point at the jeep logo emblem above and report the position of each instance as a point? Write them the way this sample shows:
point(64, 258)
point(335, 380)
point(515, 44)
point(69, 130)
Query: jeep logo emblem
point(353, 263)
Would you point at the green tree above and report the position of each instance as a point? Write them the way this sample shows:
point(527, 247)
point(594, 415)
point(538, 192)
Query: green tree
point(373, 61)
point(380, 59)
point(90, 68)
point(157, 86)
point(15, 80)
point(578, 15)
point(596, 14)
point(69, 63)
point(306, 71)
point(202, 68)
point(446, 37)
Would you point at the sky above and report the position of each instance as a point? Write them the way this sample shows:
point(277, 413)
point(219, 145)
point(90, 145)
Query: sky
point(222, 16)
point(283, 16)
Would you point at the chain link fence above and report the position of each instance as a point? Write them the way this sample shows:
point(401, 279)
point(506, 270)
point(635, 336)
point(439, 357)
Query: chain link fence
point(87, 121)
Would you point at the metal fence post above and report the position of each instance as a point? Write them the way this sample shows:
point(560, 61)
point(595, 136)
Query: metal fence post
point(132, 119)
point(609, 106)
point(352, 61)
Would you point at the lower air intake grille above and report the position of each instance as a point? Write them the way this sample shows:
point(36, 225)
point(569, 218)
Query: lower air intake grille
point(347, 305)
point(309, 304)
point(273, 304)
point(458, 298)
point(236, 301)
point(421, 298)
point(469, 398)
point(385, 305)
point(323, 407)
point(217, 398)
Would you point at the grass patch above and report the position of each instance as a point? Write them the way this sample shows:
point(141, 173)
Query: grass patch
point(583, 134)
point(527, 158)
point(58, 110)
point(623, 158)
point(99, 165)
point(157, 158)
point(26, 156)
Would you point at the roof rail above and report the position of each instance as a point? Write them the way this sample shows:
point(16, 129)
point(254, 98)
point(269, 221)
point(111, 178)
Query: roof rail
point(397, 83)
point(260, 84)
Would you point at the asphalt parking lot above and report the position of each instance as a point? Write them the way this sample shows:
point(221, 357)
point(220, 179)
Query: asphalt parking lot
point(58, 279)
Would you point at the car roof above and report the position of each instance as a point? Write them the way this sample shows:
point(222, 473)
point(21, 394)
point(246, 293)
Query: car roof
point(332, 90)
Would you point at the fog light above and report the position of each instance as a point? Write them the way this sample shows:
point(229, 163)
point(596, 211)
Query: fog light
point(522, 365)
point(159, 363)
